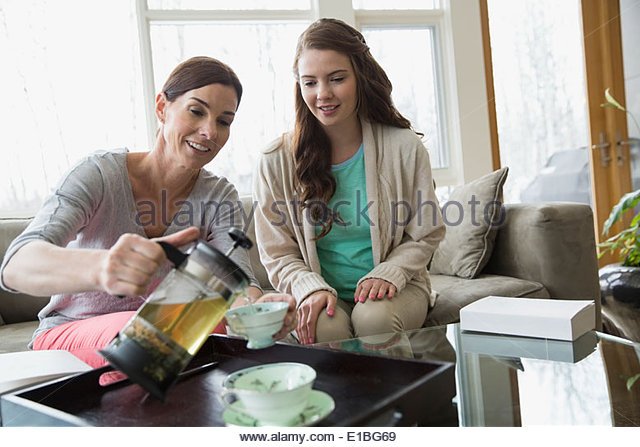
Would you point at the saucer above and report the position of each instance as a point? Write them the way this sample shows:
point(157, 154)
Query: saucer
point(319, 406)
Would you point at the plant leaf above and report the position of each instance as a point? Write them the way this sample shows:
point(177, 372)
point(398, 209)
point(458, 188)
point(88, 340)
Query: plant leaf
point(635, 220)
point(611, 100)
point(628, 201)
point(632, 380)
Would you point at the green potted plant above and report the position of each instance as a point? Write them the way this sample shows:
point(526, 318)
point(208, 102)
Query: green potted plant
point(627, 241)
point(620, 282)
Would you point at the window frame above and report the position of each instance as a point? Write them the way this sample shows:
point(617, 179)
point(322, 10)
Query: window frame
point(424, 19)
point(455, 128)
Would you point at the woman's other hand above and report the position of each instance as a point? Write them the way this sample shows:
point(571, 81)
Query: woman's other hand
point(128, 266)
point(309, 311)
point(374, 289)
point(290, 320)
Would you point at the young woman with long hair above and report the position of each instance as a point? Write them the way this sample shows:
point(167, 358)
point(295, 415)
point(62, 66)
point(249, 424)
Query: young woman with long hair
point(347, 218)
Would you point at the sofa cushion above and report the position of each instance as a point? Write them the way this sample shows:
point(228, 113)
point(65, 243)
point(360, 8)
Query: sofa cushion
point(15, 337)
point(472, 215)
point(454, 293)
point(20, 307)
point(16, 307)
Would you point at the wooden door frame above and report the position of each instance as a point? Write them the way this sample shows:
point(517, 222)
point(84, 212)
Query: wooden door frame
point(603, 64)
point(488, 76)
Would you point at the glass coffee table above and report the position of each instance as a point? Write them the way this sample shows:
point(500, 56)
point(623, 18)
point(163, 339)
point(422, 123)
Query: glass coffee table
point(519, 381)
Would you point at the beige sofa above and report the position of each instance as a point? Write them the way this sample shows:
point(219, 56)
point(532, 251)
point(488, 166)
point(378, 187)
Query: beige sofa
point(541, 250)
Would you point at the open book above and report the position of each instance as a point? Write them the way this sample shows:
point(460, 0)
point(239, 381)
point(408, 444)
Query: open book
point(22, 369)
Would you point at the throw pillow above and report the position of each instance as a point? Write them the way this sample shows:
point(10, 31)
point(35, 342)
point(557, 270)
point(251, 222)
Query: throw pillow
point(472, 216)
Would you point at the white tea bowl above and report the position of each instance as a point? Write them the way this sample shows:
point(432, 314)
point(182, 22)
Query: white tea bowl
point(274, 393)
point(257, 322)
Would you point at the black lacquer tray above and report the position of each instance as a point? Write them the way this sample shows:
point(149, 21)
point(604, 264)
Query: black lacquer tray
point(367, 390)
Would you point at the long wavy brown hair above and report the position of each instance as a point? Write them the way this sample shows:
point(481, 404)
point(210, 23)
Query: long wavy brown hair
point(312, 148)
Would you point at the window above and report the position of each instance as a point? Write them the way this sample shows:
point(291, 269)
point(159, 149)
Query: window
point(417, 73)
point(396, 4)
point(260, 46)
point(212, 5)
point(67, 90)
point(415, 81)
point(83, 75)
point(261, 55)
point(541, 107)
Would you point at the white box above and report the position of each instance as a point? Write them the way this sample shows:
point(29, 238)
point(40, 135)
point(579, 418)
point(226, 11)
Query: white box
point(530, 317)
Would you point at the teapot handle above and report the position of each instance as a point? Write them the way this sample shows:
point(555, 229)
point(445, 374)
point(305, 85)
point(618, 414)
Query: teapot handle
point(239, 240)
point(174, 255)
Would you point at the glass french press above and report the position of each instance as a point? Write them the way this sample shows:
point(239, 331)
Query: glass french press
point(162, 337)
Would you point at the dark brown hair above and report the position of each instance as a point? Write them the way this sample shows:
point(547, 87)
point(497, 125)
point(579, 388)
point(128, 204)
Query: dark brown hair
point(198, 72)
point(311, 144)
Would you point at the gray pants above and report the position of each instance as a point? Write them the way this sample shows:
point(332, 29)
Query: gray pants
point(407, 310)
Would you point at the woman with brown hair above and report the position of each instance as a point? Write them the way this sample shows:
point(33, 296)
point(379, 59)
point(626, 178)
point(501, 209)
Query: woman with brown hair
point(347, 218)
point(91, 246)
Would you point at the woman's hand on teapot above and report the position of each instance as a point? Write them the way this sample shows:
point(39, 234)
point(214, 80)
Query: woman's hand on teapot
point(130, 264)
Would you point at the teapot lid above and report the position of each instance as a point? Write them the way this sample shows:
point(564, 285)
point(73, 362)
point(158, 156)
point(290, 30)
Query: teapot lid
point(207, 263)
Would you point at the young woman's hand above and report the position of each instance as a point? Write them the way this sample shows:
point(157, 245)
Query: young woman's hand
point(289, 323)
point(309, 311)
point(374, 289)
point(128, 266)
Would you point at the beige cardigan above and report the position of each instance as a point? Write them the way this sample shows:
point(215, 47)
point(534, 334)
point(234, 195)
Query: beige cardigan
point(406, 220)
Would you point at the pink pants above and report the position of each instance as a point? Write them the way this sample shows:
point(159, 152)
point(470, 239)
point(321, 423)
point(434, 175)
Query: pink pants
point(83, 338)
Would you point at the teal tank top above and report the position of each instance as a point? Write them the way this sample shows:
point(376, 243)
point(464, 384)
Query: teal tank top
point(345, 252)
